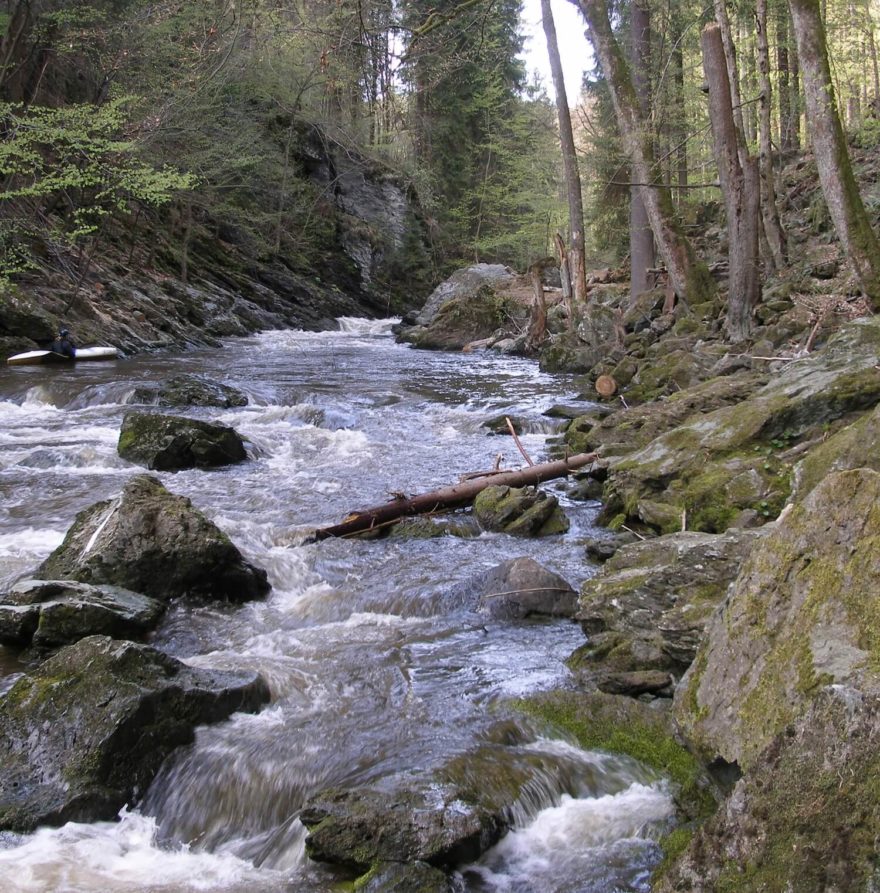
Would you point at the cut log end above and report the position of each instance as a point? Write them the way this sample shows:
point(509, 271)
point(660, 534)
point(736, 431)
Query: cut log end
point(606, 386)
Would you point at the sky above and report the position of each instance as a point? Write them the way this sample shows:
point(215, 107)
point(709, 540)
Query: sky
point(574, 49)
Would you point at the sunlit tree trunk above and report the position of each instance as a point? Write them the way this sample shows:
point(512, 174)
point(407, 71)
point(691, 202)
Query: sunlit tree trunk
point(576, 261)
point(688, 276)
point(829, 146)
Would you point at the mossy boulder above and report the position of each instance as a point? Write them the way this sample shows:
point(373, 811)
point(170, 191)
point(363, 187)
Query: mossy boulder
point(806, 817)
point(394, 877)
point(171, 443)
point(462, 285)
point(657, 596)
point(801, 616)
point(52, 613)
point(85, 733)
point(154, 542)
point(522, 511)
point(190, 390)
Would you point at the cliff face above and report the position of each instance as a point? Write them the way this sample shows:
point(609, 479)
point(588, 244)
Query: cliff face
point(158, 286)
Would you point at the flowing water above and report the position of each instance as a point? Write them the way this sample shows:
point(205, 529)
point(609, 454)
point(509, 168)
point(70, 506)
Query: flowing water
point(377, 664)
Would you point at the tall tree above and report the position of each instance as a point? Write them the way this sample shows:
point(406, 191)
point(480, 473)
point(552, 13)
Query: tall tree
point(576, 251)
point(688, 275)
point(829, 146)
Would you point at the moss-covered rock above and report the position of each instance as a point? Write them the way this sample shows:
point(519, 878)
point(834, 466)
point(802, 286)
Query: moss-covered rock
point(519, 511)
point(154, 542)
point(171, 443)
point(802, 615)
point(87, 731)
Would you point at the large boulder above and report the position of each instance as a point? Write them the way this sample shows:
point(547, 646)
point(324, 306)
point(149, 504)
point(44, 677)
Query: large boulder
point(521, 587)
point(190, 390)
point(51, 613)
point(171, 443)
point(464, 284)
point(652, 600)
point(524, 511)
point(803, 615)
point(154, 542)
point(86, 732)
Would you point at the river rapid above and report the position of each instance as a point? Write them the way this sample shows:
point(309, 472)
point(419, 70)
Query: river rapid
point(376, 667)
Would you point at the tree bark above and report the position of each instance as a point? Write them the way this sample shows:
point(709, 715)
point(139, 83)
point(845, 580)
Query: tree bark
point(451, 497)
point(641, 239)
point(576, 252)
point(772, 224)
point(740, 184)
point(688, 276)
point(723, 21)
point(538, 319)
point(829, 146)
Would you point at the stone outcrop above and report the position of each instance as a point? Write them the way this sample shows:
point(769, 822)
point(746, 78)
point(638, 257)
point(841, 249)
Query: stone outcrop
point(520, 587)
point(522, 511)
point(172, 443)
point(52, 613)
point(86, 732)
point(801, 616)
point(190, 390)
point(153, 542)
point(463, 285)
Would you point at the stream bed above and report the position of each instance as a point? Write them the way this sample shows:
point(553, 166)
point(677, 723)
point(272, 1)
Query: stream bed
point(375, 667)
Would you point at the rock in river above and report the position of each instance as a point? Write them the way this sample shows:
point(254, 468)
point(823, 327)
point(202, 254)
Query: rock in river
point(522, 511)
point(51, 613)
point(85, 733)
point(171, 443)
point(154, 542)
point(190, 390)
point(520, 587)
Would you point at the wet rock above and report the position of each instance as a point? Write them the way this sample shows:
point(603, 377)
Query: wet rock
point(519, 511)
point(153, 542)
point(656, 597)
point(172, 443)
point(601, 548)
point(801, 616)
point(805, 816)
point(86, 732)
point(393, 877)
point(51, 613)
point(357, 828)
point(520, 587)
point(636, 683)
point(190, 390)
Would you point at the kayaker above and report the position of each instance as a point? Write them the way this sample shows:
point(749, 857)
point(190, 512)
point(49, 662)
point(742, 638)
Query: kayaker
point(64, 344)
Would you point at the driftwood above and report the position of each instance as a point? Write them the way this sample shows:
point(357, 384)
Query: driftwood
point(454, 496)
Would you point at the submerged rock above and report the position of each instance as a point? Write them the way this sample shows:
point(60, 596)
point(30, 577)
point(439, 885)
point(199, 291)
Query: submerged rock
point(520, 587)
point(190, 390)
point(394, 877)
point(51, 613)
point(802, 615)
point(153, 542)
point(86, 732)
point(523, 511)
point(171, 443)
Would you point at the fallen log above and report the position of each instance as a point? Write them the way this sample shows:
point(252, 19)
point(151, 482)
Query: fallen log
point(454, 496)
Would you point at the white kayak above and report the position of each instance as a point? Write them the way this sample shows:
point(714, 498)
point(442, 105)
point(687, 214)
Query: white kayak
point(39, 357)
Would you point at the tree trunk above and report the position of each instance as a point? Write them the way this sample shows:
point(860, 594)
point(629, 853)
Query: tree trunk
point(564, 274)
point(723, 21)
point(641, 239)
point(772, 224)
point(451, 497)
point(740, 184)
point(688, 276)
point(679, 124)
point(576, 260)
point(538, 320)
point(829, 146)
point(783, 88)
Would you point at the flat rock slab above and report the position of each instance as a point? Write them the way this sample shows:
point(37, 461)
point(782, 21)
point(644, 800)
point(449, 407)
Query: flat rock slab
point(86, 732)
point(51, 613)
point(172, 443)
point(154, 542)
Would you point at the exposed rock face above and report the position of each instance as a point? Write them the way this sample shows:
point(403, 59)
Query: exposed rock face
point(154, 542)
point(802, 615)
point(190, 390)
point(519, 511)
point(51, 613)
point(172, 443)
point(805, 817)
point(732, 463)
point(360, 827)
point(648, 606)
point(464, 285)
point(520, 587)
point(394, 877)
point(86, 732)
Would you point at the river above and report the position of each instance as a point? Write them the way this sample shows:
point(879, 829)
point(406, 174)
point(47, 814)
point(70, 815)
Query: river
point(375, 667)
